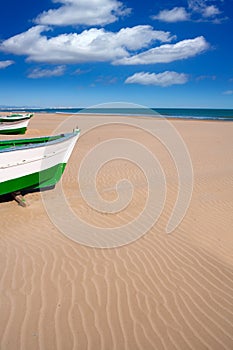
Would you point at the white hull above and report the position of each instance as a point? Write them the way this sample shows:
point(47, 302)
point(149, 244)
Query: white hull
point(14, 125)
point(21, 162)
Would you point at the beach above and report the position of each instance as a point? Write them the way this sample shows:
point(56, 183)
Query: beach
point(159, 291)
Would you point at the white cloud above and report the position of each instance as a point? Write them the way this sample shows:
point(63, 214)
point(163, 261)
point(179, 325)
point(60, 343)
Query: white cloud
point(140, 36)
point(4, 64)
point(204, 77)
point(93, 45)
point(174, 15)
point(87, 12)
point(168, 53)
point(197, 10)
point(210, 11)
point(228, 92)
point(161, 79)
point(43, 73)
point(81, 71)
point(201, 7)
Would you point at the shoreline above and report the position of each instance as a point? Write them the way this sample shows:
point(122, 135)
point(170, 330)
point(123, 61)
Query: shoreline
point(155, 113)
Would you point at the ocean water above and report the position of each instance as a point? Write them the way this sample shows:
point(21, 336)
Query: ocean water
point(182, 113)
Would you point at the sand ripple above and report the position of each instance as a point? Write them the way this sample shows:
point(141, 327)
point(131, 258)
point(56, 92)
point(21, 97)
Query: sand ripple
point(161, 292)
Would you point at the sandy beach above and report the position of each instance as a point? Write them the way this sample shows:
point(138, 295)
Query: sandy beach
point(161, 291)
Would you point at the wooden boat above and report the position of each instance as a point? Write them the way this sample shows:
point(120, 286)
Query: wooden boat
point(20, 115)
point(13, 126)
point(15, 123)
point(34, 163)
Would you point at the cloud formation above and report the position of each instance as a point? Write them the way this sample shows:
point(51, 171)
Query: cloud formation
point(202, 7)
point(204, 77)
point(164, 79)
point(176, 14)
point(7, 63)
point(228, 92)
point(91, 12)
point(196, 9)
point(45, 73)
point(168, 52)
point(93, 45)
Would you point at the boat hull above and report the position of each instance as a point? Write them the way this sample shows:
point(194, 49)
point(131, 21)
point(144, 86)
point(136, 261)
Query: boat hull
point(37, 167)
point(38, 180)
point(13, 127)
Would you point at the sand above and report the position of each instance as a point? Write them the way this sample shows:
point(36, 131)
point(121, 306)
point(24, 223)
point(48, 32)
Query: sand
point(162, 291)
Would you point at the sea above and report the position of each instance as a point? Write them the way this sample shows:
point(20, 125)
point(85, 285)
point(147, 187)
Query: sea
point(182, 113)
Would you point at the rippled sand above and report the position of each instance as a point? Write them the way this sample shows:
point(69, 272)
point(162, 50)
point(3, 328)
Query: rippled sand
point(160, 292)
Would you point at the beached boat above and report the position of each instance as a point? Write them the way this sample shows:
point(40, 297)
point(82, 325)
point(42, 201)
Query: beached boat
point(14, 123)
point(20, 115)
point(34, 163)
point(13, 126)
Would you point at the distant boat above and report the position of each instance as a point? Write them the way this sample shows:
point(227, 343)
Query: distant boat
point(14, 123)
point(34, 163)
point(20, 115)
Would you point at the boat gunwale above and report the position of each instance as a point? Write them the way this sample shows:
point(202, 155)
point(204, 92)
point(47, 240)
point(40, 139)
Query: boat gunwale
point(28, 115)
point(37, 142)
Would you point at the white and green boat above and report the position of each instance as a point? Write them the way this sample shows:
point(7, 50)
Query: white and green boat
point(34, 163)
point(20, 115)
point(14, 123)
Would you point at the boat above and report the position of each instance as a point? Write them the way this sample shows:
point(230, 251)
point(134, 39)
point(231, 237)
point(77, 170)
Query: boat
point(13, 126)
point(15, 123)
point(34, 163)
point(20, 115)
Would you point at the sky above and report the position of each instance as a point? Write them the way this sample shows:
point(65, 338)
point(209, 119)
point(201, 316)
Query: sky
point(79, 53)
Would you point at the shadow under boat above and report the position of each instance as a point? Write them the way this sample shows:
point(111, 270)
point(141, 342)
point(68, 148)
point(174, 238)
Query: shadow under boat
point(19, 196)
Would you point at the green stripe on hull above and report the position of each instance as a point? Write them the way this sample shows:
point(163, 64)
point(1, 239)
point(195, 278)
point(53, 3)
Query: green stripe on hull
point(42, 179)
point(13, 131)
point(24, 142)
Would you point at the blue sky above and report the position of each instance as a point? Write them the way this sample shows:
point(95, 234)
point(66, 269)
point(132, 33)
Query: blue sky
point(81, 53)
